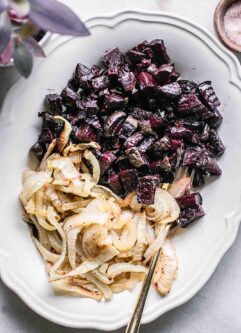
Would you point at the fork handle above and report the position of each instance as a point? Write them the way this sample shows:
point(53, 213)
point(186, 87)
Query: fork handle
point(134, 323)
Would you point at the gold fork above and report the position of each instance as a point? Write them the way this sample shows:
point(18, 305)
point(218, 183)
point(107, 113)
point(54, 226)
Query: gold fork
point(134, 323)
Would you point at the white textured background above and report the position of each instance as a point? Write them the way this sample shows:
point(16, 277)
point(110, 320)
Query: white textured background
point(217, 307)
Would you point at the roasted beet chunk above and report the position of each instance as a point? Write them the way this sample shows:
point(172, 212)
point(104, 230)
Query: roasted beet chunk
point(106, 159)
point(133, 140)
point(158, 122)
point(180, 133)
point(113, 58)
point(114, 183)
point(113, 122)
point(140, 114)
point(82, 76)
point(202, 159)
point(146, 189)
point(146, 120)
point(129, 126)
point(215, 144)
point(159, 51)
point(127, 80)
point(208, 95)
point(136, 158)
point(215, 120)
point(146, 143)
point(187, 87)
point(189, 200)
point(53, 103)
point(46, 136)
point(129, 180)
point(123, 163)
point(189, 215)
point(163, 73)
point(90, 106)
point(38, 149)
point(171, 90)
point(99, 83)
point(69, 97)
point(145, 81)
point(207, 163)
point(114, 102)
point(189, 103)
point(85, 134)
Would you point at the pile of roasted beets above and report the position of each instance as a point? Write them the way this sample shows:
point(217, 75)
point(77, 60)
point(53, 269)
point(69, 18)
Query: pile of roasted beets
point(147, 121)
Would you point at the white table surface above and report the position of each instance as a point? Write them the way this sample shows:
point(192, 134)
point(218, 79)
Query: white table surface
point(217, 307)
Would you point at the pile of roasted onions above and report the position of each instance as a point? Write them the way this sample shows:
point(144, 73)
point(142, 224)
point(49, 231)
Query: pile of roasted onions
point(94, 243)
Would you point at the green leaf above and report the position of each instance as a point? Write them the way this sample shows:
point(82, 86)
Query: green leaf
point(23, 59)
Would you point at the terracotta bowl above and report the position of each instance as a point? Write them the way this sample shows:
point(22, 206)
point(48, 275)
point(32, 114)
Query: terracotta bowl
point(219, 24)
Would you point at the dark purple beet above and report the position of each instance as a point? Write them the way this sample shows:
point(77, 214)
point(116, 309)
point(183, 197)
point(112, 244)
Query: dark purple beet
point(46, 136)
point(127, 80)
point(159, 51)
point(189, 103)
point(53, 103)
point(187, 86)
point(215, 144)
point(202, 159)
point(215, 120)
point(145, 81)
point(143, 65)
point(189, 215)
point(90, 106)
point(38, 149)
point(114, 183)
point(146, 122)
point(208, 95)
point(129, 127)
point(69, 97)
point(145, 144)
point(99, 83)
point(114, 102)
point(135, 56)
point(180, 133)
point(163, 73)
point(106, 160)
point(82, 76)
point(113, 58)
point(171, 90)
point(123, 163)
point(85, 134)
point(113, 144)
point(189, 200)
point(175, 144)
point(205, 133)
point(158, 122)
point(112, 122)
point(94, 122)
point(129, 180)
point(133, 140)
point(146, 189)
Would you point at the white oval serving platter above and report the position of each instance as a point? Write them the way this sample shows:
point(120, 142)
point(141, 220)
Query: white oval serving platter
point(198, 56)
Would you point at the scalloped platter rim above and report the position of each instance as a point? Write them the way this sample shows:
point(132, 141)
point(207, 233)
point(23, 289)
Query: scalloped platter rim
point(199, 56)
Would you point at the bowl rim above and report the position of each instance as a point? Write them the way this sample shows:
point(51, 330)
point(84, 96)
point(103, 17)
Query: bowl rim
point(219, 13)
point(233, 220)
